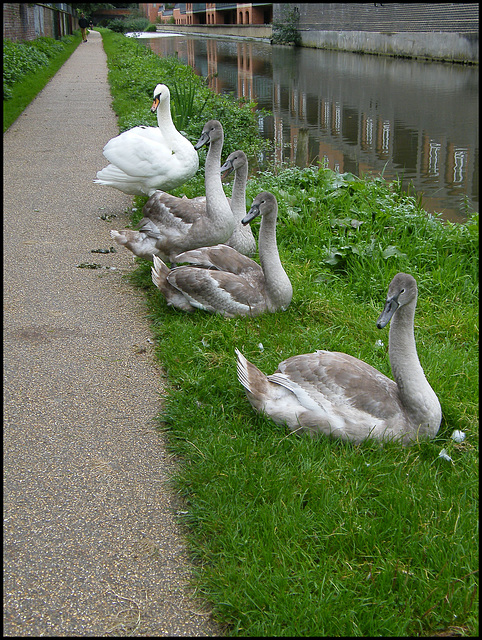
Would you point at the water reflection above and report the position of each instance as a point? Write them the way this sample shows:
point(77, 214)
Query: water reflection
point(365, 114)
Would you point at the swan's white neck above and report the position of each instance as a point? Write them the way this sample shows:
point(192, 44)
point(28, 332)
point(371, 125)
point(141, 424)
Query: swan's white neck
point(278, 285)
point(416, 394)
point(164, 121)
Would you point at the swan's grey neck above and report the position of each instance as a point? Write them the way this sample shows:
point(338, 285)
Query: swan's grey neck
point(278, 285)
point(238, 199)
point(418, 397)
point(217, 205)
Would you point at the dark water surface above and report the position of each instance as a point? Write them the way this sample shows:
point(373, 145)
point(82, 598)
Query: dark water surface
point(359, 113)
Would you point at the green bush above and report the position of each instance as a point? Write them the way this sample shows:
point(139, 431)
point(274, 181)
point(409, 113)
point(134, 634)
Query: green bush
point(67, 39)
point(20, 59)
point(119, 25)
point(27, 68)
point(24, 57)
point(46, 45)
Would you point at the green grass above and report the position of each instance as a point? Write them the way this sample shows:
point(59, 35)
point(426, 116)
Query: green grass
point(291, 536)
point(296, 537)
point(23, 91)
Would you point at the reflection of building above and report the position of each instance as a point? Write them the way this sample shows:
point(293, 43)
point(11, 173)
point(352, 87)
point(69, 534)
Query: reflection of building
point(245, 71)
point(216, 13)
point(360, 114)
point(212, 61)
point(456, 166)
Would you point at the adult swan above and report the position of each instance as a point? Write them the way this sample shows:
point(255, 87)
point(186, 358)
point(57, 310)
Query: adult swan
point(144, 159)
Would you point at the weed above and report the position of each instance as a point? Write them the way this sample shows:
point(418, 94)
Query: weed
point(286, 30)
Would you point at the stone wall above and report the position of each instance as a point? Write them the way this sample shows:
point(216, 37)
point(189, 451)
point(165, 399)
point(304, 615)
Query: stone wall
point(448, 47)
point(437, 31)
point(447, 17)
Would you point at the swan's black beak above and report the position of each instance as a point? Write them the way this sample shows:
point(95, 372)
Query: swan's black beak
point(204, 139)
point(155, 104)
point(391, 305)
point(251, 215)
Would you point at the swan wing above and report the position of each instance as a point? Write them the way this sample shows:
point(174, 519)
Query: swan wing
point(151, 133)
point(141, 156)
point(217, 291)
point(344, 381)
point(165, 210)
point(149, 228)
point(220, 257)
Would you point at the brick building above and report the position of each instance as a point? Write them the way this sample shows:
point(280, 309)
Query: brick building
point(150, 10)
point(216, 13)
point(28, 20)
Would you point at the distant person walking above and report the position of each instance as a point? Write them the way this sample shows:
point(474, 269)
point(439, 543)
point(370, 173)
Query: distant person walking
point(83, 24)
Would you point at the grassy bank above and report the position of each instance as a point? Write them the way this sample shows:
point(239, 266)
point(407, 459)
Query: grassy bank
point(134, 71)
point(27, 67)
point(291, 536)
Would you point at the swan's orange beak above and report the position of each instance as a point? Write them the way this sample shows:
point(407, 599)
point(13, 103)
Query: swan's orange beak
point(155, 104)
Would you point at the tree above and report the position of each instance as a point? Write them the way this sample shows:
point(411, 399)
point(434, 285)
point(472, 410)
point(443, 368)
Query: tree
point(286, 31)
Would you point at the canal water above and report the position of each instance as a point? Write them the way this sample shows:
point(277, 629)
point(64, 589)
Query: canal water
point(363, 114)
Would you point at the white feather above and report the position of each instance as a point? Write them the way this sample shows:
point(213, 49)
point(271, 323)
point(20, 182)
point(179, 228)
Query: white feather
point(144, 159)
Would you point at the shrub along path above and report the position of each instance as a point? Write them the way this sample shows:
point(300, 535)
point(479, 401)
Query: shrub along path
point(91, 546)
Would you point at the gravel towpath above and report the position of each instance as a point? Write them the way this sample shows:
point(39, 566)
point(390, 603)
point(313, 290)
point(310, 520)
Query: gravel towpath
point(91, 544)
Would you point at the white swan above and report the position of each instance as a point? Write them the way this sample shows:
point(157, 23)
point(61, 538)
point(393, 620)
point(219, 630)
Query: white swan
point(144, 159)
point(222, 280)
point(172, 225)
point(340, 396)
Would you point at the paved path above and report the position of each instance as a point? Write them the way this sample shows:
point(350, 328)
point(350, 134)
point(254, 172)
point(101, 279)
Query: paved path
point(91, 546)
